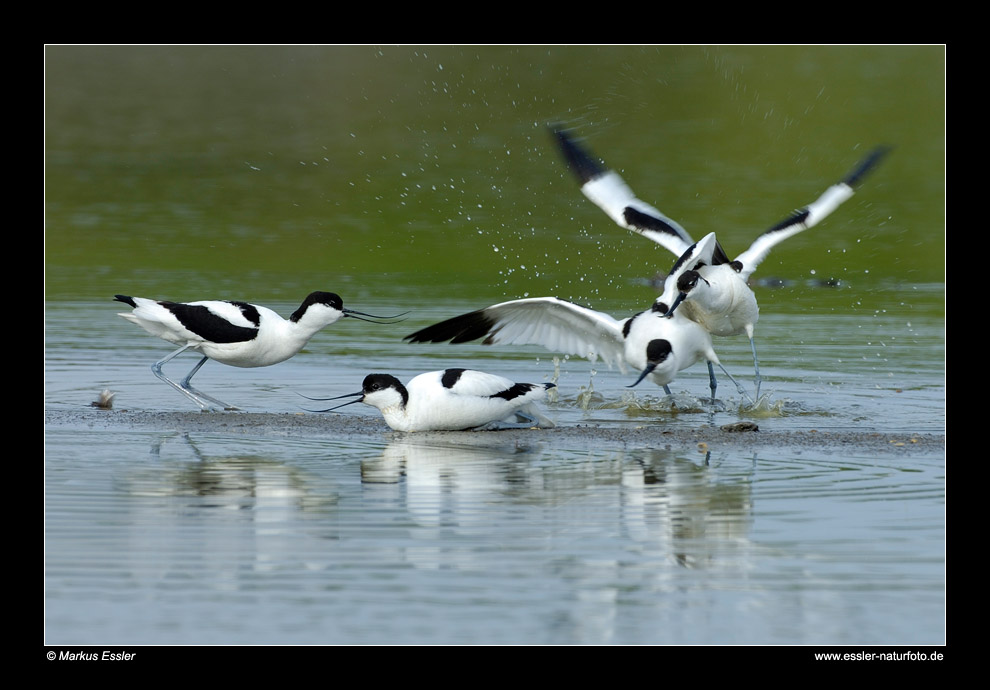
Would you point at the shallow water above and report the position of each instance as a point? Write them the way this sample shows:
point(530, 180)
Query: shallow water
point(219, 540)
point(852, 371)
point(423, 180)
point(239, 538)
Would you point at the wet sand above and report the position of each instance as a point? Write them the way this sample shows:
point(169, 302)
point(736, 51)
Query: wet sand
point(714, 438)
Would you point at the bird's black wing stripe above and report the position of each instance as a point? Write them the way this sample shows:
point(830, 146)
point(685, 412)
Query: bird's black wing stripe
point(628, 324)
point(720, 257)
point(644, 221)
point(795, 218)
point(208, 325)
point(517, 390)
point(250, 312)
point(451, 377)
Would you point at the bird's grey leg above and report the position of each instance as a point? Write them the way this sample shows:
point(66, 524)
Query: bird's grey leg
point(666, 389)
point(756, 366)
point(505, 424)
point(204, 401)
point(156, 369)
point(199, 365)
point(524, 420)
point(712, 383)
point(738, 387)
point(201, 394)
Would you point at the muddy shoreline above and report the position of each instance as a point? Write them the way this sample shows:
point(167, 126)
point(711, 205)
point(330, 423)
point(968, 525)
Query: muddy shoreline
point(573, 436)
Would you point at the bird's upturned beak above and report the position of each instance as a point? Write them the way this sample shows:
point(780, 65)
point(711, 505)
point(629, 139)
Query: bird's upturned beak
point(359, 397)
point(371, 317)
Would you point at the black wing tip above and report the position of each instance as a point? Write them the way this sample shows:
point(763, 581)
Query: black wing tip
point(425, 335)
point(580, 161)
point(866, 166)
point(433, 335)
point(560, 133)
point(430, 334)
point(460, 329)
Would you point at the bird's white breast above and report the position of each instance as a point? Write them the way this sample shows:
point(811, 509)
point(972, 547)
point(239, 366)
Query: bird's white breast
point(727, 306)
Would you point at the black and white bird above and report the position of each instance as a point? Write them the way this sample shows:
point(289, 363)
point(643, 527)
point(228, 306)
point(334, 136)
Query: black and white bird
point(654, 342)
point(234, 333)
point(717, 294)
point(452, 400)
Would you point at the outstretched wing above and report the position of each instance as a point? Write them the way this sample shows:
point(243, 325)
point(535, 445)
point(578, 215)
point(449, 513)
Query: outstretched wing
point(610, 193)
point(810, 215)
point(555, 324)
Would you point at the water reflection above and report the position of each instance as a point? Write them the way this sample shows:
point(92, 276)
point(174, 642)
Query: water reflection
point(239, 481)
point(464, 537)
point(666, 501)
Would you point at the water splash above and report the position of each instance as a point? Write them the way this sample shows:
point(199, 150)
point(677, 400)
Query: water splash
point(764, 407)
point(553, 394)
point(587, 396)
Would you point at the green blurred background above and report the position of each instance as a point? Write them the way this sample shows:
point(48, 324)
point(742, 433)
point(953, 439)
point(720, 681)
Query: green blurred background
point(420, 173)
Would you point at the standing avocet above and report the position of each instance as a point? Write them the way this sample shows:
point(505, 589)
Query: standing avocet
point(234, 333)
